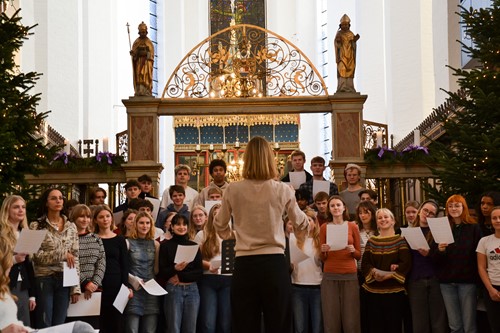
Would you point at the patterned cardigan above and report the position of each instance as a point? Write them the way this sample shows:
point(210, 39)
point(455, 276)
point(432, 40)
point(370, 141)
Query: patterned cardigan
point(52, 253)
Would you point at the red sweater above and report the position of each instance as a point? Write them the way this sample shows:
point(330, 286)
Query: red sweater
point(342, 261)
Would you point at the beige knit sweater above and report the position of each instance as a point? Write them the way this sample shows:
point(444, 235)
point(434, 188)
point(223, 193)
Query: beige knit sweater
point(257, 207)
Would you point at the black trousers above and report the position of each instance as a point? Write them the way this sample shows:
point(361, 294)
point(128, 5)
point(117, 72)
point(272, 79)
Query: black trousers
point(261, 286)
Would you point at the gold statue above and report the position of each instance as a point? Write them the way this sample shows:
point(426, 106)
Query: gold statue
point(142, 53)
point(345, 55)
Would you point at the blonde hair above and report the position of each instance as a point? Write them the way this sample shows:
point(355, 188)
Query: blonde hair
point(81, 210)
point(315, 233)
point(5, 265)
point(210, 246)
point(259, 163)
point(151, 234)
point(6, 231)
point(391, 215)
point(191, 226)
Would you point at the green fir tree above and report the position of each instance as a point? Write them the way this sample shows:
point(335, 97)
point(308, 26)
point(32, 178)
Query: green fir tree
point(469, 154)
point(22, 151)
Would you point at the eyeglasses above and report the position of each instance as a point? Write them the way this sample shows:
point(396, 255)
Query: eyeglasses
point(428, 212)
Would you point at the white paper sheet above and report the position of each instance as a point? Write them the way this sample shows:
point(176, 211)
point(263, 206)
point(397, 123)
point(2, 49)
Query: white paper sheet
point(29, 241)
point(320, 186)
point(70, 276)
point(296, 254)
point(121, 299)
point(336, 236)
point(441, 230)
point(185, 253)
point(63, 328)
point(210, 203)
point(153, 288)
point(134, 281)
point(156, 207)
point(297, 178)
point(86, 307)
point(415, 238)
point(215, 263)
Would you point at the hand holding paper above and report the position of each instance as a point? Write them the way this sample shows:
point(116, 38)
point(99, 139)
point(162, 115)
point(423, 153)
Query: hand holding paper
point(441, 230)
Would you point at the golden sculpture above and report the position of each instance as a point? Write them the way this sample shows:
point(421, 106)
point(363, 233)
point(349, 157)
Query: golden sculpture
point(142, 53)
point(345, 54)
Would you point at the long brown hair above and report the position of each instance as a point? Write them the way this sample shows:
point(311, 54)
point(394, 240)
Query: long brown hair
point(99, 209)
point(429, 238)
point(329, 216)
point(211, 245)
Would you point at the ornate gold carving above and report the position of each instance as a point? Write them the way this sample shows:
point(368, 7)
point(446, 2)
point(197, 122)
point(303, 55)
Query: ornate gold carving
point(233, 120)
point(251, 62)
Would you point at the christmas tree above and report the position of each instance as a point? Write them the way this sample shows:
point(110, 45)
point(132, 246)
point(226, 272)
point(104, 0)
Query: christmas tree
point(22, 151)
point(469, 155)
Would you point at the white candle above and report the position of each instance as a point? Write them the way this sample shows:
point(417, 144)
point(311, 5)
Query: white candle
point(198, 148)
point(276, 145)
point(379, 139)
point(67, 147)
point(211, 147)
point(224, 147)
point(416, 137)
point(237, 144)
point(105, 144)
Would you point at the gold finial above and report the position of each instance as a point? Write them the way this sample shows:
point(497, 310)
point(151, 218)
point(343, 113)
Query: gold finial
point(345, 19)
point(143, 25)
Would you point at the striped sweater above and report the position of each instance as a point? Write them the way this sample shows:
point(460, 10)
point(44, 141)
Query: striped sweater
point(381, 253)
point(92, 260)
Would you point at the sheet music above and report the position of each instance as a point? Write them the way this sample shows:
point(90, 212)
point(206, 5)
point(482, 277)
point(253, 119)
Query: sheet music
point(63, 328)
point(210, 203)
point(156, 206)
point(320, 186)
point(297, 178)
point(70, 276)
point(86, 307)
point(30, 241)
point(121, 299)
point(185, 253)
point(296, 254)
point(415, 238)
point(153, 288)
point(441, 230)
point(336, 236)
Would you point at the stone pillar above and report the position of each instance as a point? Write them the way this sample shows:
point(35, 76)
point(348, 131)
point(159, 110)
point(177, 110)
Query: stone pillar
point(143, 134)
point(347, 133)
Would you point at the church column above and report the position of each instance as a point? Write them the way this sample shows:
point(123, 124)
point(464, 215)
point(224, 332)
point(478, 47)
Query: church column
point(347, 132)
point(143, 134)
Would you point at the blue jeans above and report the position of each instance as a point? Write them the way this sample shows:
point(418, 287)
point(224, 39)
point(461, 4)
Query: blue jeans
point(52, 301)
point(460, 300)
point(306, 303)
point(181, 308)
point(215, 304)
point(143, 324)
